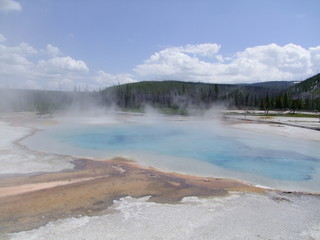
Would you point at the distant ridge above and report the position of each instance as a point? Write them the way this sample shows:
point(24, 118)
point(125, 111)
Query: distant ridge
point(275, 84)
point(174, 94)
point(177, 96)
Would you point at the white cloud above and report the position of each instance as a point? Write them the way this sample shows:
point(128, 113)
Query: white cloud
point(23, 49)
point(105, 79)
point(315, 59)
point(289, 58)
point(23, 66)
point(220, 58)
point(205, 49)
point(51, 51)
point(62, 65)
point(175, 63)
point(10, 5)
point(261, 63)
point(14, 61)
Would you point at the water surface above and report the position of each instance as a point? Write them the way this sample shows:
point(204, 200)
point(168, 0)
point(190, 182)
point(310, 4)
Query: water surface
point(195, 145)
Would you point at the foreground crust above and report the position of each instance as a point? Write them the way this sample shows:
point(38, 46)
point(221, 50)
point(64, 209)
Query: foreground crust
point(30, 201)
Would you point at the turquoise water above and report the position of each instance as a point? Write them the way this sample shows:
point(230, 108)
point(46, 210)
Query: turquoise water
point(273, 157)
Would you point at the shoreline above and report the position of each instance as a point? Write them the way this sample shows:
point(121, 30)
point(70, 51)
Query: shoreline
point(294, 126)
point(92, 186)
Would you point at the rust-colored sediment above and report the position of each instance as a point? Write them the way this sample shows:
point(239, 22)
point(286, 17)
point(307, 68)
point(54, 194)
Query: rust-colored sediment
point(27, 202)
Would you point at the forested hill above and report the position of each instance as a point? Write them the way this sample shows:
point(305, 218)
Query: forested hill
point(308, 89)
point(177, 94)
point(173, 95)
point(302, 96)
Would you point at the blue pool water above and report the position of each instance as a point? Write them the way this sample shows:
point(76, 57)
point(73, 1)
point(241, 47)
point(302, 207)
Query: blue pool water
point(277, 158)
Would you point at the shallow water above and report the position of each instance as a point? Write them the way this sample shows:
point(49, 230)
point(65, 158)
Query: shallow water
point(15, 160)
point(258, 158)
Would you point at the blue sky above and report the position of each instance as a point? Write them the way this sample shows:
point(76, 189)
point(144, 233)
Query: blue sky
point(55, 44)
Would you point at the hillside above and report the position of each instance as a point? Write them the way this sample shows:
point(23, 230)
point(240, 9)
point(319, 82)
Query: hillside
point(274, 84)
point(177, 94)
point(302, 96)
point(307, 89)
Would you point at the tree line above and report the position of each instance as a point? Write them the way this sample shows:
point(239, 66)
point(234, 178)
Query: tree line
point(175, 95)
point(171, 94)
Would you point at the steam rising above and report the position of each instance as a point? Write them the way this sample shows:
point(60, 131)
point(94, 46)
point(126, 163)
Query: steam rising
point(239, 216)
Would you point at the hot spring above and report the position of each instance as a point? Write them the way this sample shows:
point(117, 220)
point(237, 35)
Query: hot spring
point(193, 146)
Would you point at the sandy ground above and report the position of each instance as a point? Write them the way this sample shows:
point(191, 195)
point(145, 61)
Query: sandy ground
point(61, 187)
point(29, 202)
point(32, 187)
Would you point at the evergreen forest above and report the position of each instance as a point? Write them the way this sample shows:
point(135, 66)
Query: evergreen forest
point(172, 96)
